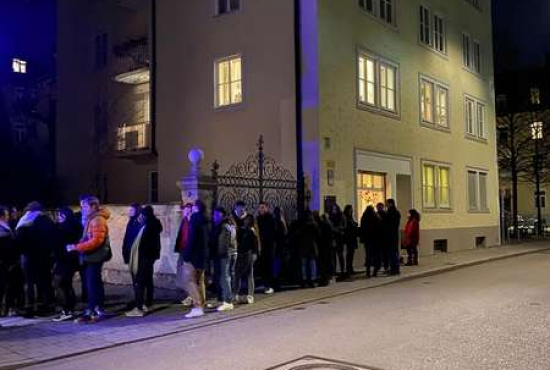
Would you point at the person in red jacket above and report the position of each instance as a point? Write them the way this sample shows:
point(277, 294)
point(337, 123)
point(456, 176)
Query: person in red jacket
point(412, 237)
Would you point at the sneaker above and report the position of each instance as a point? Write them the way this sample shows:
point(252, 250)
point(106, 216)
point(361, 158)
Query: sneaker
point(145, 309)
point(64, 316)
point(136, 312)
point(269, 291)
point(249, 299)
point(12, 313)
point(225, 307)
point(195, 312)
point(187, 302)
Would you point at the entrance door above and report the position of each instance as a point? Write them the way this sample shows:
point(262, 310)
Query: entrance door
point(404, 196)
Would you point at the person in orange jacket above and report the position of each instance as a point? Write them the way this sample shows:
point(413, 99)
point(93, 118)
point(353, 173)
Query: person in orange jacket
point(94, 251)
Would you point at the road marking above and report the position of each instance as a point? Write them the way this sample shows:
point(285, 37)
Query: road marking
point(319, 363)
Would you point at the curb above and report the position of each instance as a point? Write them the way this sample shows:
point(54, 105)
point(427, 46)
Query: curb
point(414, 276)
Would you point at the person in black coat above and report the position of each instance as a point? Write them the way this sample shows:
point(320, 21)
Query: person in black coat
point(8, 257)
point(36, 238)
point(393, 220)
point(338, 223)
point(384, 237)
point(350, 238)
point(132, 229)
point(326, 249)
point(308, 239)
point(370, 237)
point(69, 231)
point(144, 253)
point(267, 230)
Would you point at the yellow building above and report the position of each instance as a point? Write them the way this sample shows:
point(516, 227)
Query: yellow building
point(397, 102)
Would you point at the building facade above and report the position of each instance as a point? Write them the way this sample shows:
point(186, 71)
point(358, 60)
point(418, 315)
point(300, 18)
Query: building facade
point(397, 101)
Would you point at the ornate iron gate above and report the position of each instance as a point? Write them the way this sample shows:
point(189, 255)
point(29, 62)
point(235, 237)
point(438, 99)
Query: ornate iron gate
point(258, 179)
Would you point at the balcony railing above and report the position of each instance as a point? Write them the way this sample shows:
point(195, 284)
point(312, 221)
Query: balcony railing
point(132, 61)
point(134, 139)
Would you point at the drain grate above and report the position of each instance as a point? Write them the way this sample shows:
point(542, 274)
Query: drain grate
point(317, 363)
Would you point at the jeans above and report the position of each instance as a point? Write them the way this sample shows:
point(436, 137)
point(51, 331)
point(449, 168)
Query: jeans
point(244, 273)
point(94, 285)
point(143, 281)
point(194, 284)
point(64, 289)
point(267, 265)
point(226, 274)
point(37, 274)
point(339, 256)
point(309, 269)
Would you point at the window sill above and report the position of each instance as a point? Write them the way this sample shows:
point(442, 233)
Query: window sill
point(437, 210)
point(434, 51)
point(476, 139)
point(473, 72)
point(435, 127)
point(392, 26)
point(229, 108)
point(379, 111)
point(221, 15)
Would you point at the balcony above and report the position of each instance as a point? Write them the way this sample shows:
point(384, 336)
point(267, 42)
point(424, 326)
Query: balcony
point(134, 139)
point(132, 62)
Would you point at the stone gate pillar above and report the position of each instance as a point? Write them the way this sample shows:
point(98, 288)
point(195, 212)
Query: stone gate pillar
point(196, 184)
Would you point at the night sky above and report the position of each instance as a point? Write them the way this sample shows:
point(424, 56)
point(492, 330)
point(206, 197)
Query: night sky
point(521, 33)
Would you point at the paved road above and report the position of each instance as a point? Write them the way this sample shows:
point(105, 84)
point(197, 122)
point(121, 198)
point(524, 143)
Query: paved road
point(492, 316)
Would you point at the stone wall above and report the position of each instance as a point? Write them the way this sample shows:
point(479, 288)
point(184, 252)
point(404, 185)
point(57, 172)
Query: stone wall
point(116, 272)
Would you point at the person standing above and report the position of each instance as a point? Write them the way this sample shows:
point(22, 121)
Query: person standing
point(223, 239)
point(350, 238)
point(370, 237)
point(384, 237)
point(412, 237)
point(281, 236)
point(180, 245)
point(132, 229)
point(248, 249)
point(36, 237)
point(308, 240)
point(326, 251)
point(194, 258)
point(8, 257)
point(338, 223)
point(94, 250)
point(69, 231)
point(145, 251)
point(267, 227)
point(393, 220)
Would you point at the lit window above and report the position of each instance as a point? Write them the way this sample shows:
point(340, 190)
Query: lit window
point(536, 130)
point(477, 190)
point(534, 96)
point(19, 65)
point(442, 103)
point(371, 189)
point(228, 80)
point(377, 83)
point(227, 6)
point(427, 91)
point(436, 186)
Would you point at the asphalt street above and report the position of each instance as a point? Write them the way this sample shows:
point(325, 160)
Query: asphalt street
point(491, 316)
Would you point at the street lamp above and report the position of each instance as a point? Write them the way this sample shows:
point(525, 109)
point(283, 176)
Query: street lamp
point(537, 135)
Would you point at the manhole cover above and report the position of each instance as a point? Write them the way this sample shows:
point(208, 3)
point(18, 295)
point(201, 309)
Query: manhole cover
point(316, 363)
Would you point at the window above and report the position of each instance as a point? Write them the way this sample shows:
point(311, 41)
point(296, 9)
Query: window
point(378, 83)
point(153, 187)
point(381, 9)
point(425, 28)
point(101, 54)
point(542, 195)
point(471, 54)
point(466, 53)
point(474, 112)
point(439, 34)
point(228, 81)
point(436, 186)
point(477, 190)
point(476, 63)
point(227, 6)
point(537, 131)
point(19, 65)
point(432, 30)
point(474, 3)
point(371, 189)
point(534, 96)
point(434, 102)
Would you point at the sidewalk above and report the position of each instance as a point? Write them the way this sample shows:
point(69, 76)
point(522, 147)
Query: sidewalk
point(28, 342)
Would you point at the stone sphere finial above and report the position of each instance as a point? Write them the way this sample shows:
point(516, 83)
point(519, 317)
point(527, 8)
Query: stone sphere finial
point(195, 156)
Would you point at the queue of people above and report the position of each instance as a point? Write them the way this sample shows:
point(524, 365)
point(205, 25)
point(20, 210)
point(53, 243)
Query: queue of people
point(225, 254)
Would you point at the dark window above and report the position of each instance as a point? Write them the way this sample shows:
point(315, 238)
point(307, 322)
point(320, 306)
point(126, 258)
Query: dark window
point(227, 6)
point(440, 245)
point(153, 187)
point(367, 5)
